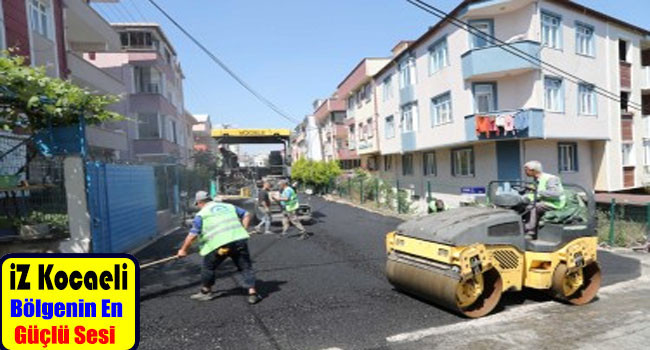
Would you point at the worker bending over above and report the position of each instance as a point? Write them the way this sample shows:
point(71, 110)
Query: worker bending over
point(548, 192)
point(221, 231)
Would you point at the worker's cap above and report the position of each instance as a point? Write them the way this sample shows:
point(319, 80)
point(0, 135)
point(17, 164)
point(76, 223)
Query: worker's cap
point(201, 196)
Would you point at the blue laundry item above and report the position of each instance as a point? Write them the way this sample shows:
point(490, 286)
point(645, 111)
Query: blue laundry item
point(522, 120)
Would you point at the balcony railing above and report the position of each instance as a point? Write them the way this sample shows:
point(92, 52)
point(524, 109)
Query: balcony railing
point(494, 61)
point(408, 141)
point(505, 124)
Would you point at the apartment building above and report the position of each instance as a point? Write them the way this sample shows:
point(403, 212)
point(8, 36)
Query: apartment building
point(457, 111)
point(330, 117)
point(358, 89)
point(55, 34)
point(202, 132)
point(158, 126)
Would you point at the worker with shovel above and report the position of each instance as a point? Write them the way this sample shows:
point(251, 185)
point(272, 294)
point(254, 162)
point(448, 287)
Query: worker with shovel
point(221, 229)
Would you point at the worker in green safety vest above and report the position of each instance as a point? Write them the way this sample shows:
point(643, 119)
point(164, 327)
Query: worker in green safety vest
point(545, 195)
point(289, 202)
point(221, 230)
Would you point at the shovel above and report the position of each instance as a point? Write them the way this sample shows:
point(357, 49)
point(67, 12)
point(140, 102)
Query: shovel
point(158, 262)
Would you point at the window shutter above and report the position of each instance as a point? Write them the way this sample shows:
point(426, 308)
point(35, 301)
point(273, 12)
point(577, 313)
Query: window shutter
point(645, 104)
point(473, 165)
point(575, 157)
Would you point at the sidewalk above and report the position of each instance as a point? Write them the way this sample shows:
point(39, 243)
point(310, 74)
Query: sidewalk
point(618, 319)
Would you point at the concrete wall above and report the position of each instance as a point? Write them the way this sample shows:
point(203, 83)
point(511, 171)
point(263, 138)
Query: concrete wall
point(78, 215)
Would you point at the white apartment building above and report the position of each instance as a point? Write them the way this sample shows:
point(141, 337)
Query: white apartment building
point(457, 111)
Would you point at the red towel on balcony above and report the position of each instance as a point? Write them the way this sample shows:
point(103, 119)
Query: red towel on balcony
point(483, 125)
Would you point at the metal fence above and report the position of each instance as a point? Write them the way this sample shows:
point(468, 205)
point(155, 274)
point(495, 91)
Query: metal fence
point(624, 224)
point(372, 191)
point(33, 200)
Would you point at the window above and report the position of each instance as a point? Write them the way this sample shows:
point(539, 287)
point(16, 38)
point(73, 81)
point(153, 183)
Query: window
point(407, 72)
point(441, 109)
point(407, 165)
point(622, 50)
point(148, 126)
point(551, 30)
point(351, 102)
point(388, 162)
point(585, 39)
point(137, 40)
point(171, 130)
point(568, 157)
point(148, 80)
point(387, 89)
point(352, 144)
point(485, 99)
point(389, 127)
point(3, 43)
point(438, 56)
point(362, 131)
point(486, 27)
point(339, 143)
point(429, 164)
point(646, 156)
point(625, 99)
point(586, 99)
point(369, 133)
point(409, 117)
point(39, 17)
point(462, 162)
point(367, 93)
point(553, 94)
point(628, 154)
point(168, 56)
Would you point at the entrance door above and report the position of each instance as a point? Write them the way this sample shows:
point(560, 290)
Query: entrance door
point(508, 160)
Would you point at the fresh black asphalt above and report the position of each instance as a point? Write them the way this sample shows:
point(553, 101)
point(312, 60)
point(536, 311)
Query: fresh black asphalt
point(327, 291)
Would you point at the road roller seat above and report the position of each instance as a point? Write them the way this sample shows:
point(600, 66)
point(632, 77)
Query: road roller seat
point(551, 236)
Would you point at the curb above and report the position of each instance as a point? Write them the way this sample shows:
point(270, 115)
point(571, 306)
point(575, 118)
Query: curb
point(153, 240)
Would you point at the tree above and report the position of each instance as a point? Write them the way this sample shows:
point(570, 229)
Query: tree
point(32, 100)
point(206, 160)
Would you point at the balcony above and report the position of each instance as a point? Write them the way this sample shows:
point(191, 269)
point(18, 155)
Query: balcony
point(408, 141)
point(92, 77)
point(87, 31)
point(155, 147)
point(645, 81)
point(494, 62)
point(519, 124)
point(407, 94)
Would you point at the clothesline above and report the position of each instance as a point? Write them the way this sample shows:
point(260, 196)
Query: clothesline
point(501, 124)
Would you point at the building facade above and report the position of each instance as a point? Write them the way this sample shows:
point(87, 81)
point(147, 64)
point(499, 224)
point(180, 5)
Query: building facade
point(158, 126)
point(456, 110)
point(330, 118)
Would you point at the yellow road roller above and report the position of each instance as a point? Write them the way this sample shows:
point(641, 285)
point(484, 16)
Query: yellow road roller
point(464, 259)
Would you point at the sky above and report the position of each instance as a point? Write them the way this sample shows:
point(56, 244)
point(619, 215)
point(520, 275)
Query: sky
point(291, 51)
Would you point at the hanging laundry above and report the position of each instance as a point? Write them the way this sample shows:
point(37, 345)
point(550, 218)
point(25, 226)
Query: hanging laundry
point(521, 121)
point(501, 121)
point(493, 125)
point(482, 125)
point(508, 124)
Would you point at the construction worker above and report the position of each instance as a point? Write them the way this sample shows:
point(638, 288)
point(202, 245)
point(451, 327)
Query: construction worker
point(221, 231)
point(547, 191)
point(264, 203)
point(289, 202)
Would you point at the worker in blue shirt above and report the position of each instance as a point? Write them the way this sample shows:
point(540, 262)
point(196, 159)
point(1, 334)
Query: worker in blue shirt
point(221, 231)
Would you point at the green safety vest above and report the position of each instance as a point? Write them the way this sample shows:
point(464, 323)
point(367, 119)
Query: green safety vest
point(541, 186)
point(221, 226)
point(292, 202)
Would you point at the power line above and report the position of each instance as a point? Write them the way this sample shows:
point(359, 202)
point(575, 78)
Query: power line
point(444, 16)
point(121, 7)
point(137, 9)
point(223, 66)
